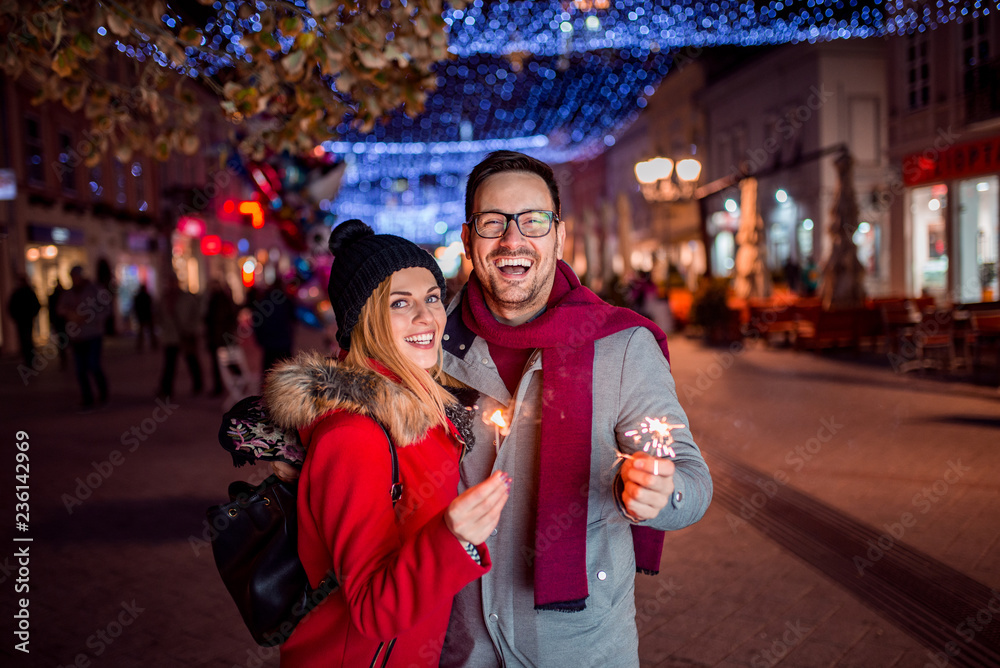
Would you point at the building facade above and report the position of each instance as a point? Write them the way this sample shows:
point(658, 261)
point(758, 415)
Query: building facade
point(667, 233)
point(125, 221)
point(944, 141)
point(782, 116)
point(616, 230)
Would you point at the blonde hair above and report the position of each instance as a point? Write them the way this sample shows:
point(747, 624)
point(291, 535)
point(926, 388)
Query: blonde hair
point(371, 339)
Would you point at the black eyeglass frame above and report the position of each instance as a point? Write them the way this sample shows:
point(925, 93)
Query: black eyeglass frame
point(508, 217)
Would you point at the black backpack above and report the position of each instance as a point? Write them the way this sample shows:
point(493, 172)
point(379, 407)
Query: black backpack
point(255, 534)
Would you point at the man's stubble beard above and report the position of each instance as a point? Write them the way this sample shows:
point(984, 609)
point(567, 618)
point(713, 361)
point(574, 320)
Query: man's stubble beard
point(539, 284)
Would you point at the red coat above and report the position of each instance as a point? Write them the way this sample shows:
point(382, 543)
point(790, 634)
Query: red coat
point(399, 568)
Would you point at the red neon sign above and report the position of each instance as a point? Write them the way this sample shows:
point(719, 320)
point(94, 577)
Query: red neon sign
point(256, 212)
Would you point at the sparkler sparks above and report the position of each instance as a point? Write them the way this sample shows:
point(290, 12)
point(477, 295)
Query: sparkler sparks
point(660, 439)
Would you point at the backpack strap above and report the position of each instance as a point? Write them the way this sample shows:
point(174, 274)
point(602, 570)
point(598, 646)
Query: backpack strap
point(396, 491)
point(329, 582)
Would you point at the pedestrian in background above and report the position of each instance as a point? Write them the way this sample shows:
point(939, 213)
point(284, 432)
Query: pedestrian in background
point(642, 292)
point(57, 323)
point(106, 282)
point(179, 318)
point(220, 327)
point(85, 308)
point(23, 307)
point(275, 331)
point(142, 309)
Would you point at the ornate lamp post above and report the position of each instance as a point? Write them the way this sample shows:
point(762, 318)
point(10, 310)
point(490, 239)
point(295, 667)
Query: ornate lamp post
point(661, 181)
point(674, 186)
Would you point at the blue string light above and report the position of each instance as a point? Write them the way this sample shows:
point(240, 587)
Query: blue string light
point(559, 79)
point(555, 27)
point(555, 108)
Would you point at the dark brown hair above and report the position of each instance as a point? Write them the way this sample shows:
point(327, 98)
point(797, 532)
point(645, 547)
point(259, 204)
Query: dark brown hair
point(498, 162)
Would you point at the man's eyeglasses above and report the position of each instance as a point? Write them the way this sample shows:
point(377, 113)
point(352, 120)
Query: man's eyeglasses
point(493, 224)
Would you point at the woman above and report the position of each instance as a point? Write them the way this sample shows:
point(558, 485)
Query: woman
point(398, 567)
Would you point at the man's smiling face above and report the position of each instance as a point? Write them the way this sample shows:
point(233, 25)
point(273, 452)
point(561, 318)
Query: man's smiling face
point(516, 271)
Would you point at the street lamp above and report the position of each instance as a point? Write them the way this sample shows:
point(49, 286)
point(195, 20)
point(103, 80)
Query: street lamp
point(688, 170)
point(661, 182)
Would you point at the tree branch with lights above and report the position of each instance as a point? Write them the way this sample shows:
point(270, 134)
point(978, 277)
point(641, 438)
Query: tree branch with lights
point(284, 72)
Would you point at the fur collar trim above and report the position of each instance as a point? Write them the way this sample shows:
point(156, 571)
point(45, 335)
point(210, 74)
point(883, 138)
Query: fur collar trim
point(300, 391)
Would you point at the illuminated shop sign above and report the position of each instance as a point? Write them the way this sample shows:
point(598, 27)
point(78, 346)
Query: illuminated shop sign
point(943, 161)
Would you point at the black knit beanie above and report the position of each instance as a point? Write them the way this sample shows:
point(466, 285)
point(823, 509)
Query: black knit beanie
point(362, 260)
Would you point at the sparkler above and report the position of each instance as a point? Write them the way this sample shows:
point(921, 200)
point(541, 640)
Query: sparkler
point(660, 441)
point(498, 421)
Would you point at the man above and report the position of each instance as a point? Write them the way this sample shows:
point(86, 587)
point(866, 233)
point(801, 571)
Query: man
point(85, 309)
point(220, 327)
point(23, 307)
point(142, 307)
point(575, 380)
point(57, 323)
point(275, 332)
point(179, 315)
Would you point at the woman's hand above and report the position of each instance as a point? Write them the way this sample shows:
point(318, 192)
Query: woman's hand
point(474, 513)
point(285, 472)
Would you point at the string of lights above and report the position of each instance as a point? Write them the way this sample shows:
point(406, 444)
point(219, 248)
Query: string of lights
point(555, 108)
point(907, 17)
point(559, 79)
point(577, 73)
point(554, 27)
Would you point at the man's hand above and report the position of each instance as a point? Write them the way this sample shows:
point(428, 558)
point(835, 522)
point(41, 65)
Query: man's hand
point(649, 482)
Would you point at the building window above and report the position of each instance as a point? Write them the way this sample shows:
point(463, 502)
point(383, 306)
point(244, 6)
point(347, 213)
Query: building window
point(918, 70)
point(67, 163)
point(868, 239)
point(929, 248)
point(977, 240)
point(975, 42)
point(34, 152)
point(979, 72)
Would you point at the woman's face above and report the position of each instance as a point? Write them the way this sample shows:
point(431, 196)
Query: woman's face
point(416, 314)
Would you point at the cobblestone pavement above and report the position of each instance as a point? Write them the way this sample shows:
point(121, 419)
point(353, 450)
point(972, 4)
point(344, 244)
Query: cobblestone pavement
point(813, 457)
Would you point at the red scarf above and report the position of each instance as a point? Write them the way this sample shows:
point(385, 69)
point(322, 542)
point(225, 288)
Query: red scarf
point(566, 331)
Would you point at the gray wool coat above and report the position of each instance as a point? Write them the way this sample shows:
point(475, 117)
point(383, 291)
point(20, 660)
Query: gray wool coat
point(493, 621)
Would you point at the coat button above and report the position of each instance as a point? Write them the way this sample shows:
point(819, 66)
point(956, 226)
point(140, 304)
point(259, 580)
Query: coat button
point(446, 337)
point(461, 346)
point(601, 575)
point(677, 497)
point(493, 617)
point(485, 361)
